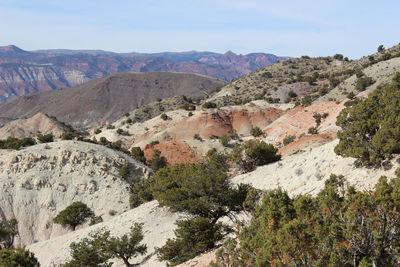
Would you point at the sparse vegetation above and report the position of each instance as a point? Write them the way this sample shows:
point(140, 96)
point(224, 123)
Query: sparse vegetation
point(15, 143)
point(209, 105)
point(224, 140)
point(19, 257)
point(188, 107)
point(288, 139)
point(313, 130)
point(79, 135)
point(95, 220)
point(45, 138)
point(198, 137)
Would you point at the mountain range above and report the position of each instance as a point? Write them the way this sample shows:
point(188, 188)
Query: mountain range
point(23, 72)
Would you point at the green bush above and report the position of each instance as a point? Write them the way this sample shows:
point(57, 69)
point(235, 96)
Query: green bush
point(256, 131)
point(158, 161)
point(80, 135)
point(74, 215)
point(8, 231)
point(370, 128)
point(193, 237)
point(209, 105)
point(338, 56)
point(334, 82)
point(254, 153)
point(45, 138)
point(288, 139)
point(307, 100)
point(350, 95)
point(338, 227)
point(138, 154)
point(188, 107)
point(125, 172)
point(198, 137)
point(19, 257)
point(15, 143)
point(363, 83)
point(292, 94)
point(141, 192)
point(224, 140)
point(164, 116)
point(110, 126)
point(313, 130)
point(204, 191)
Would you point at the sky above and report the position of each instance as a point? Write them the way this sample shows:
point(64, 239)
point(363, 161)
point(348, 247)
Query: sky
point(286, 28)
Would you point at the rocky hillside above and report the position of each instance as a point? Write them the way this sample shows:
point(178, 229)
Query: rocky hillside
point(291, 80)
point(23, 72)
point(37, 182)
point(293, 105)
point(184, 137)
point(107, 99)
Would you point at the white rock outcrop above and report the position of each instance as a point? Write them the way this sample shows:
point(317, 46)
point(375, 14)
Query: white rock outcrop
point(36, 183)
point(305, 173)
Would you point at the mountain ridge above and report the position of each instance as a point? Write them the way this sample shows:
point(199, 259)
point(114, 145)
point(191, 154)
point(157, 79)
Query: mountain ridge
point(23, 72)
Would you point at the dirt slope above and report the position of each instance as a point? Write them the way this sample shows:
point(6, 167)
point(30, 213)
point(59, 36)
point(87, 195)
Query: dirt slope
point(107, 99)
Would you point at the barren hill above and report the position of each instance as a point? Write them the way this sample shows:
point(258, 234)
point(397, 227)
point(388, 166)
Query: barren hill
point(107, 99)
point(30, 127)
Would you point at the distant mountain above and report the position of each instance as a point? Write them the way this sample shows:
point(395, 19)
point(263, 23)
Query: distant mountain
point(109, 98)
point(23, 72)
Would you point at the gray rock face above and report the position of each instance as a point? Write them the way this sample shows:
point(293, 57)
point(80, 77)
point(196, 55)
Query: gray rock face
point(40, 181)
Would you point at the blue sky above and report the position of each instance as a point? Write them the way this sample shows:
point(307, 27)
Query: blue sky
point(288, 28)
